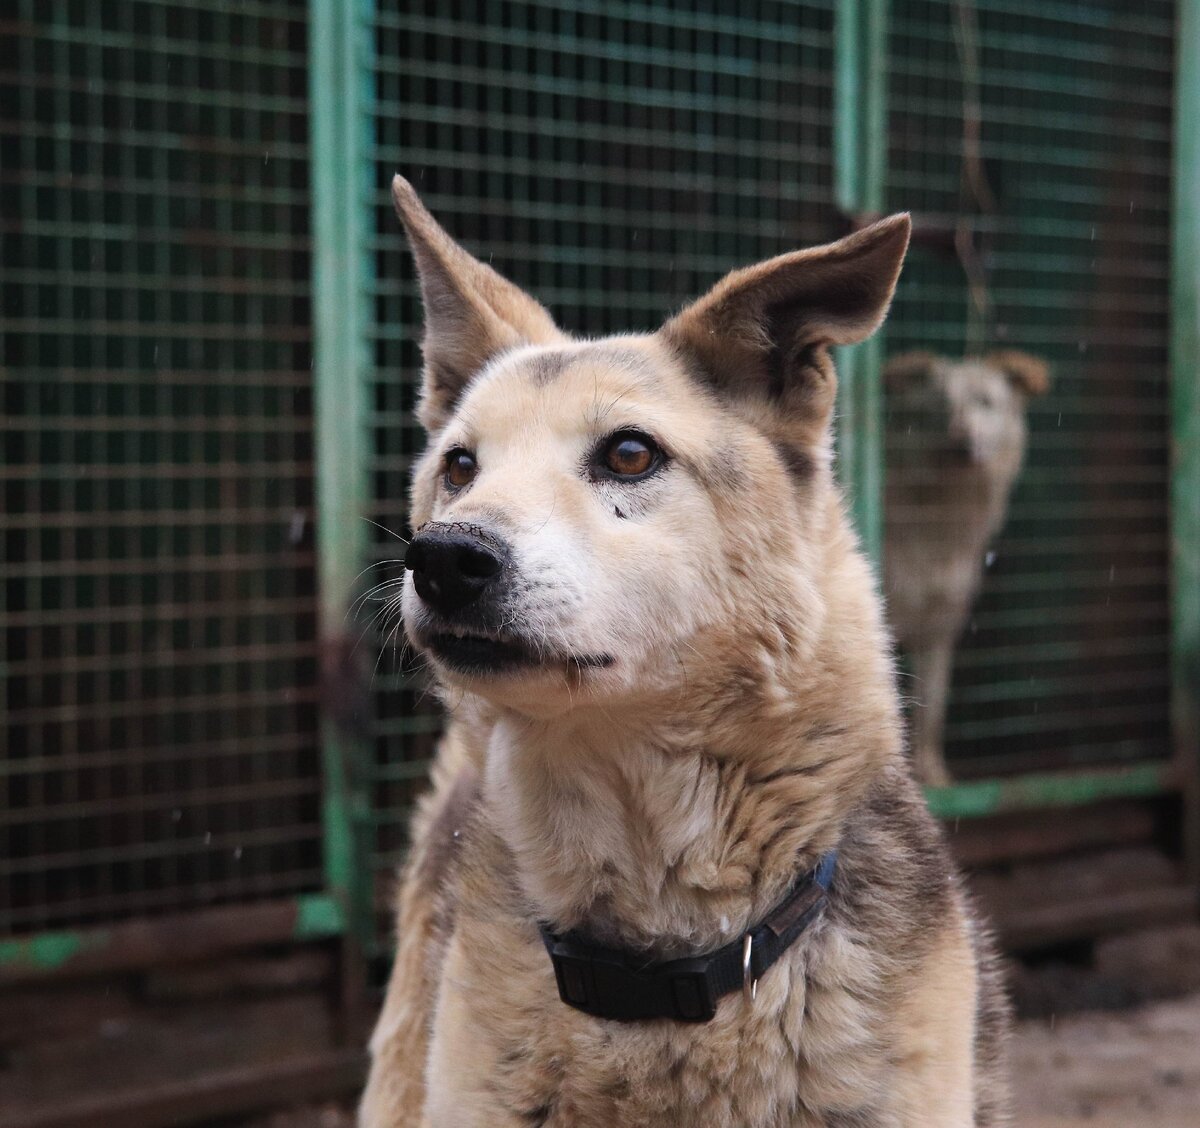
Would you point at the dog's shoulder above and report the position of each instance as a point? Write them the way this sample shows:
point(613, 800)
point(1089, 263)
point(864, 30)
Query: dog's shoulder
point(895, 882)
point(933, 960)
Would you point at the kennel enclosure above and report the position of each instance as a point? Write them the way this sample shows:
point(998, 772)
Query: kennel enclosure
point(209, 336)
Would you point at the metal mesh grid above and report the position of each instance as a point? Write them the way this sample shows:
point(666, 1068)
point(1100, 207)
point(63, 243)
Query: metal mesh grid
point(613, 158)
point(156, 617)
point(1065, 660)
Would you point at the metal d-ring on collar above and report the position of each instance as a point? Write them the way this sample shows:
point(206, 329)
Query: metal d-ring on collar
point(749, 983)
point(611, 983)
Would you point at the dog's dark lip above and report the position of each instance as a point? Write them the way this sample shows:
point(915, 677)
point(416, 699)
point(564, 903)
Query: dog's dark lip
point(482, 654)
point(479, 654)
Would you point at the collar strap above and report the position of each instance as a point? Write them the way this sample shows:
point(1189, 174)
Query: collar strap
point(611, 983)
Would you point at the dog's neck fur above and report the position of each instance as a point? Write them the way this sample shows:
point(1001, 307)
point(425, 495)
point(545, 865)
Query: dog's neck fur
point(674, 833)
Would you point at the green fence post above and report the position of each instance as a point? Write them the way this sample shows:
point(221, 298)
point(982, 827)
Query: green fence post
point(1185, 422)
point(859, 176)
point(341, 94)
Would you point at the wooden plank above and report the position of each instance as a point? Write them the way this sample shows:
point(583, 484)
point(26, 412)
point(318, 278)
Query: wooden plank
point(1027, 835)
point(1086, 919)
point(209, 1096)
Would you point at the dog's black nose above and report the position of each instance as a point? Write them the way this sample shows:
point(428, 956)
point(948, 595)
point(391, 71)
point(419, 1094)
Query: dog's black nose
point(452, 565)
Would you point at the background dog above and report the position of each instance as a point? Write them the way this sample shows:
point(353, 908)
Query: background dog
point(955, 445)
point(672, 694)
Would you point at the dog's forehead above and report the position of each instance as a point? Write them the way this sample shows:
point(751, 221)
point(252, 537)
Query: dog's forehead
point(968, 377)
point(591, 382)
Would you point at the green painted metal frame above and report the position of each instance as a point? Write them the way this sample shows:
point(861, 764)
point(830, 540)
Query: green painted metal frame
point(1037, 791)
point(1185, 422)
point(341, 86)
point(341, 48)
point(340, 83)
point(1182, 775)
point(859, 176)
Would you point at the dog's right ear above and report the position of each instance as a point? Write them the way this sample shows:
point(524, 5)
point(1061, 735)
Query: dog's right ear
point(905, 368)
point(1029, 374)
point(764, 331)
point(471, 312)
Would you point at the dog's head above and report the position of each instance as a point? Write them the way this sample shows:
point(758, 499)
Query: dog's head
point(963, 414)
point(594, 518)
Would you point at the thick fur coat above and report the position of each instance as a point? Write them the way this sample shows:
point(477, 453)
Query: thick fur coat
point(702, 705)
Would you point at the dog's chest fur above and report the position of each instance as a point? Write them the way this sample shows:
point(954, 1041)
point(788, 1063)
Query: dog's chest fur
point(818, 1047)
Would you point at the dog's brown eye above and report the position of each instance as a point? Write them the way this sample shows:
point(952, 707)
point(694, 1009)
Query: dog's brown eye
point(461, 468)
point(627, 456)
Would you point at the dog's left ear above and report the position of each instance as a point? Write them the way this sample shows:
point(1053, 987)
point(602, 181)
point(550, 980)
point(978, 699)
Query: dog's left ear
point(908, 368)
point(763, 330)
point(1029, 374)
point(471, 313)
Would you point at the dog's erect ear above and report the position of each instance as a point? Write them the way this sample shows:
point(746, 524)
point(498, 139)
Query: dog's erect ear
point(471, 312)
point(1029, 374)
point(907, 368)
point(763, 328)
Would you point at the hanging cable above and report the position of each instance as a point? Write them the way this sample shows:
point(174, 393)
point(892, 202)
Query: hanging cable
point(975, 193)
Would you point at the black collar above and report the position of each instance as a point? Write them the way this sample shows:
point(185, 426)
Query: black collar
point(611, 983)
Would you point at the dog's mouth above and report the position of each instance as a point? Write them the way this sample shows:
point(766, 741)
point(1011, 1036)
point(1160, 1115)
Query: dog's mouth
point(482, 655)
point(472, 653)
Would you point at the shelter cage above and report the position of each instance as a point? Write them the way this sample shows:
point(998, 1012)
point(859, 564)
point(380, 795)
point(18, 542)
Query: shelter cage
point(209, 335)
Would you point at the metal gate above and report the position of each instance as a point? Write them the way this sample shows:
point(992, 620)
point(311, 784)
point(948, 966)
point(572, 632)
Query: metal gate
point(194, 210)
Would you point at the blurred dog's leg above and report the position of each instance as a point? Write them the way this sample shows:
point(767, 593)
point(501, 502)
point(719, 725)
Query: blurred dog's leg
point(932, 664)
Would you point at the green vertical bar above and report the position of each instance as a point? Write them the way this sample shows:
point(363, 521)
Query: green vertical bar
point(341, 95)
point(868, 384)
point(847, 95)
point(847, 88)
point(1185, 418)
point(873, 161)
point(860, 169)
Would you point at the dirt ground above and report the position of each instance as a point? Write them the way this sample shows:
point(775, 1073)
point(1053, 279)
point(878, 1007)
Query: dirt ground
point(1136, 1068)
point(1127, 1069)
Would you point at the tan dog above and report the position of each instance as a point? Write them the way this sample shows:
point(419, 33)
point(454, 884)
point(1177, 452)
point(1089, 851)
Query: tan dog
point(671, 694)
point(956, 443)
